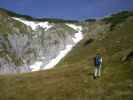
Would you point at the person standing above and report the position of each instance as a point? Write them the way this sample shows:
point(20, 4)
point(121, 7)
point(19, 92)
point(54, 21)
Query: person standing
point(98, 66)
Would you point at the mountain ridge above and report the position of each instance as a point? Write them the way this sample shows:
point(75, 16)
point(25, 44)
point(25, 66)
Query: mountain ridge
point(55, 20)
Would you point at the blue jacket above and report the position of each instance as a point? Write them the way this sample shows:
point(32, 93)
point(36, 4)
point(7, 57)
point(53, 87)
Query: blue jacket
point(98, 60)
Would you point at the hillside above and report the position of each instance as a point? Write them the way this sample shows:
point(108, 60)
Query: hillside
point(34, 44)
point(72, 78)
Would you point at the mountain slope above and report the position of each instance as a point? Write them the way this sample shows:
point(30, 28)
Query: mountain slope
point(72, 79)
point(34, 44)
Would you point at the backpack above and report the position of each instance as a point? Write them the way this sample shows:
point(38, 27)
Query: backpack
point(98, 60)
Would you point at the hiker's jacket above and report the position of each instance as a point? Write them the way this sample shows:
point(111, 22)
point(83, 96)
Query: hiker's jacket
point(98, 60)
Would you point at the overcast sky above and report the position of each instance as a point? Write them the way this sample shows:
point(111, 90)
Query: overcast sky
point(67, 9)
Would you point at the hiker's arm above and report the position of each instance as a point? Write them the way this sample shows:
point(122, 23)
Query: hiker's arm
point(101, 60)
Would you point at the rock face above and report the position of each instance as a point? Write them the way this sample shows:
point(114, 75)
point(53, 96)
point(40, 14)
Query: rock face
point(27, 46)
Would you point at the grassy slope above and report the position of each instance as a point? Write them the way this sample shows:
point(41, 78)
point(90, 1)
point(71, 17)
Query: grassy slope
point(118, 18)
point(72, 79)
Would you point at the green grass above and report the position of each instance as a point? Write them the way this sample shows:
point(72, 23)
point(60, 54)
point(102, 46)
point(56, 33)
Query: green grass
point(72, 79)
point(118, 18)
point(8, 26)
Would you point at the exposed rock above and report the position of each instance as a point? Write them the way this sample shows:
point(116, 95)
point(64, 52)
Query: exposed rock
point(88, 42)
point(127, 55)
point(25, 48)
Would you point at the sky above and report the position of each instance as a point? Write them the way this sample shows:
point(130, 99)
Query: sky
point(67, 9)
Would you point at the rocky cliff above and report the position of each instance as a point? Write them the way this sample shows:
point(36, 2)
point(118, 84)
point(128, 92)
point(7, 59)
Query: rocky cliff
point(32, 45)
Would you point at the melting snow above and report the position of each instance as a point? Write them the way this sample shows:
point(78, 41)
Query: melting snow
point(78, 36)
point(34, 25)
point(62, 53)
point(36, 66)
point(75, 27)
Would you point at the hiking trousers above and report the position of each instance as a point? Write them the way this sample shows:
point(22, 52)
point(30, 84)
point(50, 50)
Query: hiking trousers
point(97, 71)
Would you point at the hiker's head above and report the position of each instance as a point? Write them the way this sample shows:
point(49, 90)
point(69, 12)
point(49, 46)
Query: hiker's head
point(98, 54)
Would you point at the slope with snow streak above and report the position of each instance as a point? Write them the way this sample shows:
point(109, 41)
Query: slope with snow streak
point(56, 60)
point(77, 37)
point(34, 25)
point(40, 65)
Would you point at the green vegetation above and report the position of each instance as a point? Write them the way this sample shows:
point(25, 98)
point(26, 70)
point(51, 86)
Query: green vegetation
point(10, 26)
point(72, 79)
point(4, 29)
point(90, 20)
point(117, 18)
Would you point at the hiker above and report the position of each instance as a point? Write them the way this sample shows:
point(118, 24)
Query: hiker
point(98, 65)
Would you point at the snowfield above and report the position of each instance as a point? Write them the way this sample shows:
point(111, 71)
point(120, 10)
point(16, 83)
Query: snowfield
point(34, 25)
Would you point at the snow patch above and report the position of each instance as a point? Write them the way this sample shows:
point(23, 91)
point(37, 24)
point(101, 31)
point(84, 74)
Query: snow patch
point(34, 25)
point(78, 36)
point(56, 60)
point(36, 66)
point(75, 27)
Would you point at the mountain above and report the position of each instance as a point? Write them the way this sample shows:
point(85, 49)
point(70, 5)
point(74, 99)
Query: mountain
point(22, 44)
point(55, 20)
point(30, 44)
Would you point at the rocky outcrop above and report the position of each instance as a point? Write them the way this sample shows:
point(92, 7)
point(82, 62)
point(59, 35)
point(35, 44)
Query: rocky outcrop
point(27, 46)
